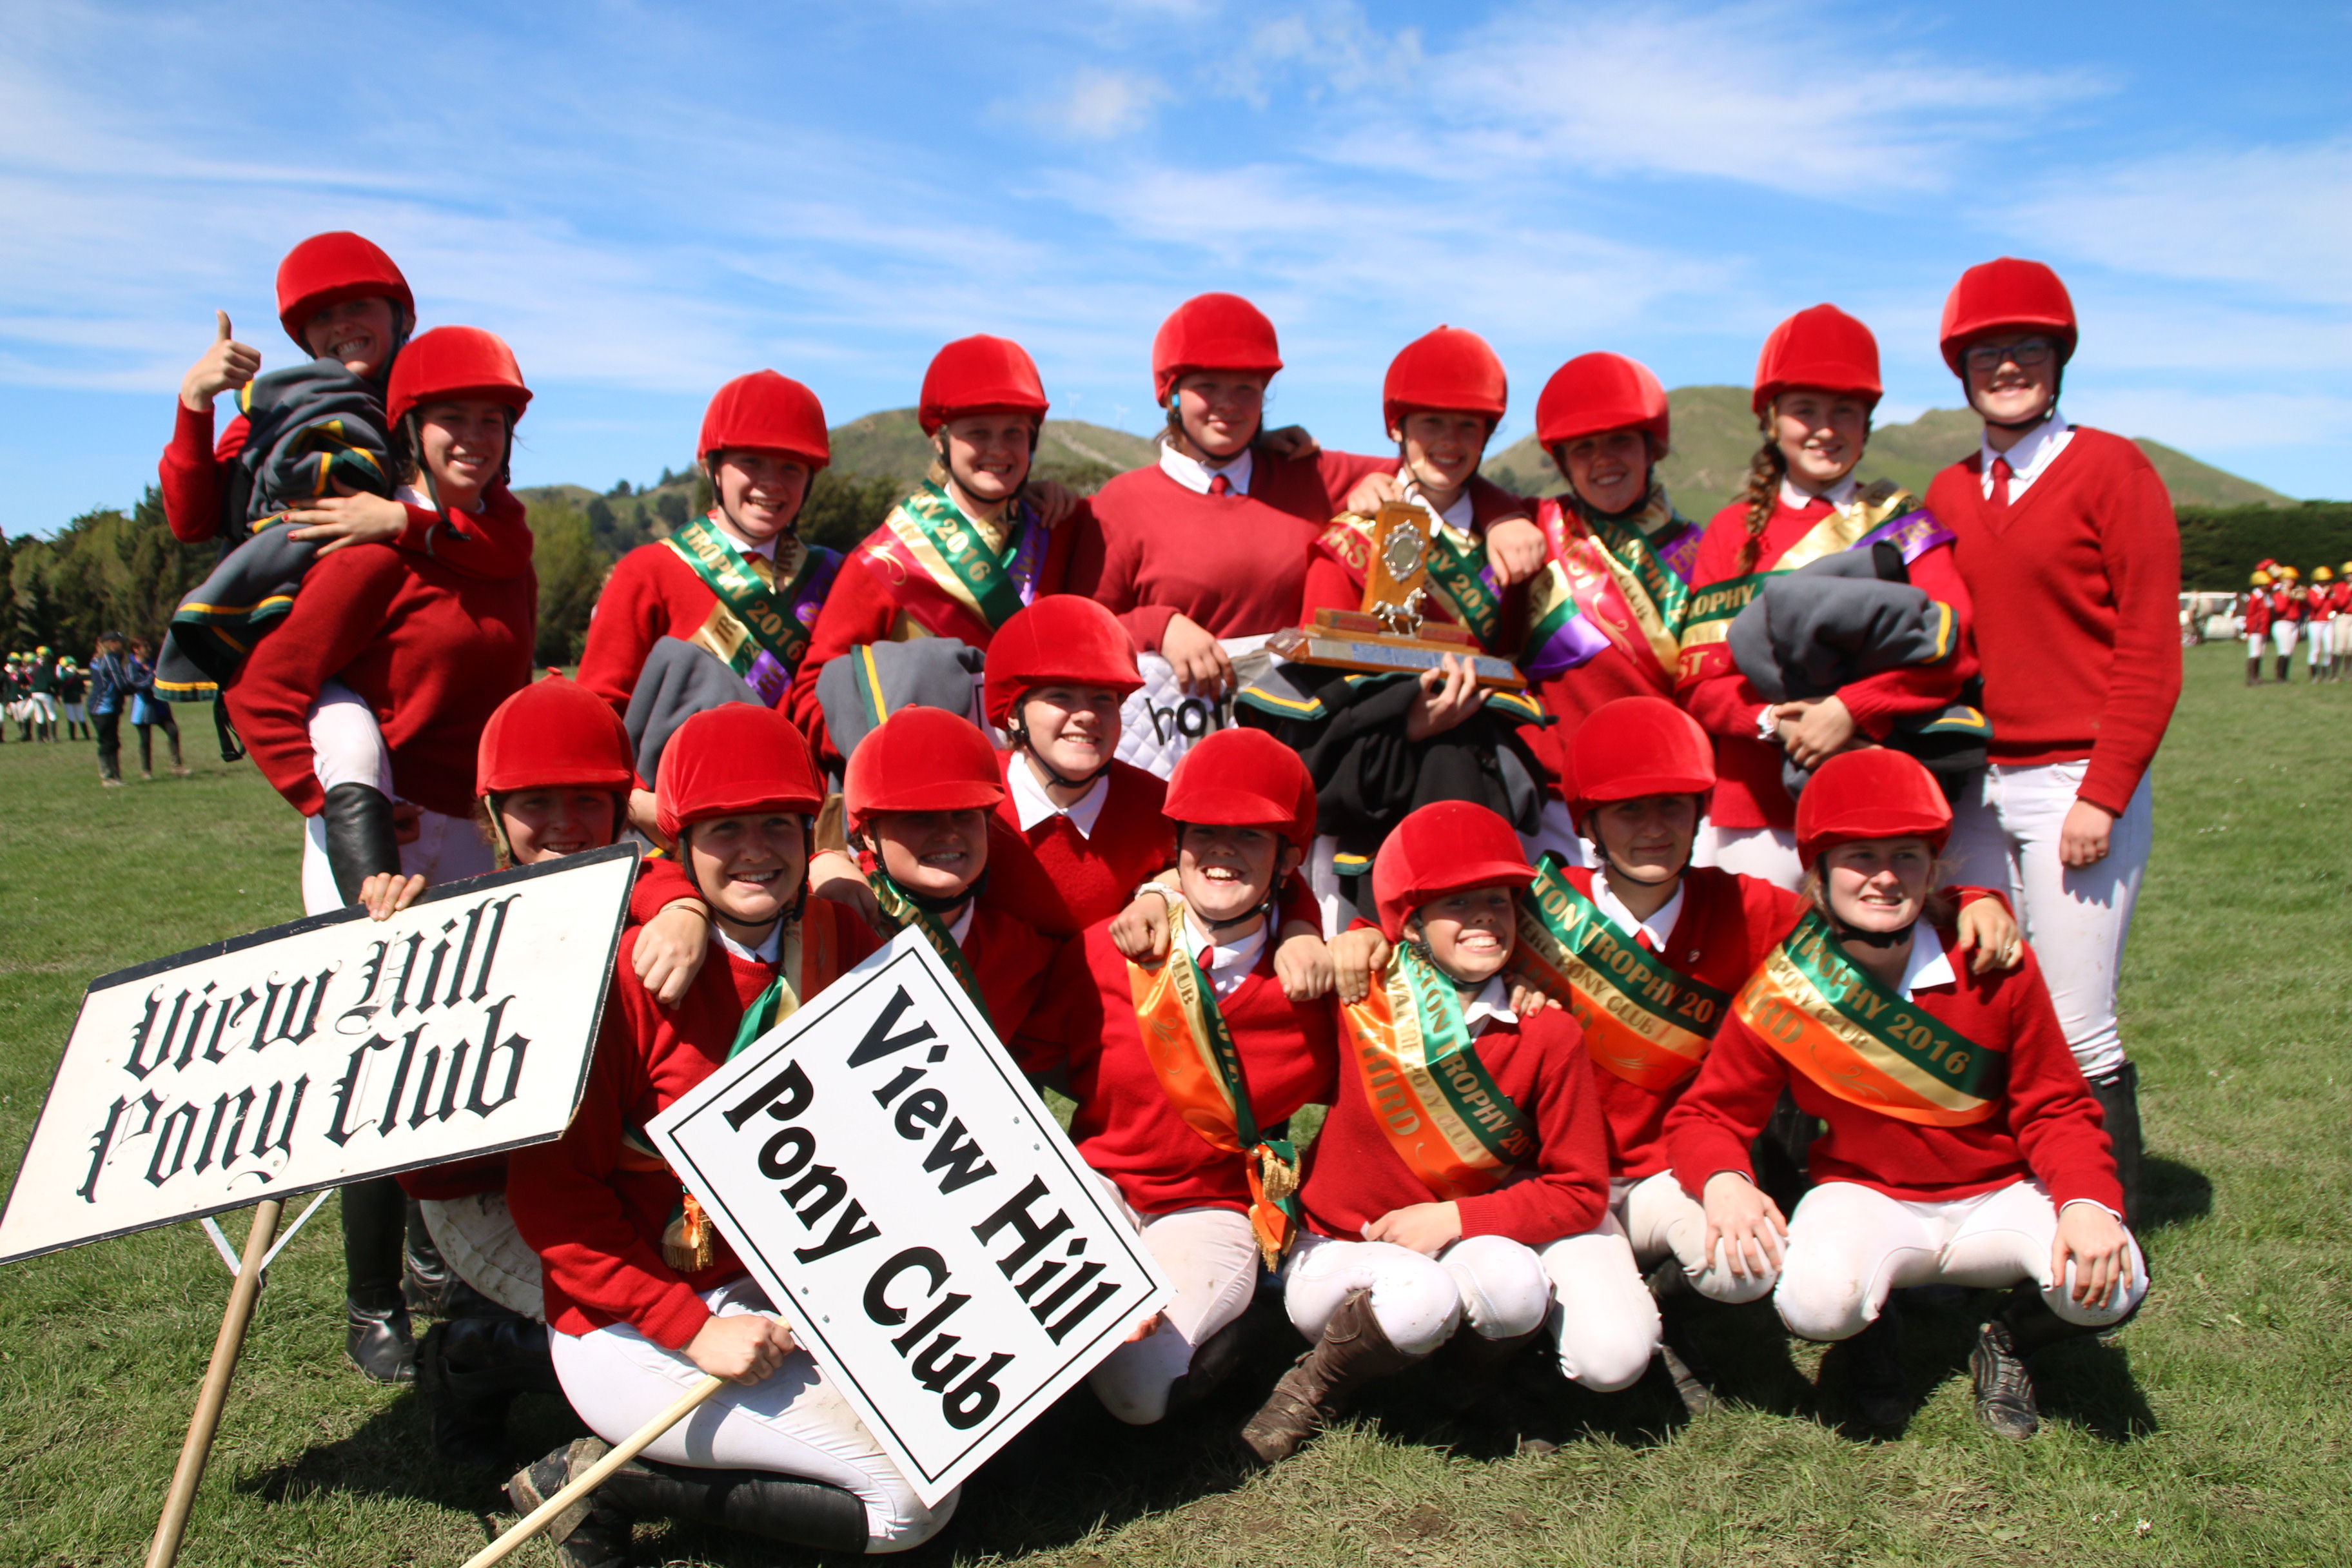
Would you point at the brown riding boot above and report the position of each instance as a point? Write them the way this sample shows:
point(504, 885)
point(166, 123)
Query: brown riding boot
point(1354, 1351)
point(2254, 670)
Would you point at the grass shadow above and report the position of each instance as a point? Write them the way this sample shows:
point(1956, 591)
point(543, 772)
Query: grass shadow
point(2171, 1193)
point(391, 1455)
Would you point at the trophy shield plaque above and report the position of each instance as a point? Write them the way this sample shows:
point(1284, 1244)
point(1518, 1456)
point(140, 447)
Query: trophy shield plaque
point(1389, 635)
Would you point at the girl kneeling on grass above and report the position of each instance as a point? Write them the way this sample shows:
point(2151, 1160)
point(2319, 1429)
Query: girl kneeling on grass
point(1463, 1172)
point(1963, 1146)
point(642, 1294)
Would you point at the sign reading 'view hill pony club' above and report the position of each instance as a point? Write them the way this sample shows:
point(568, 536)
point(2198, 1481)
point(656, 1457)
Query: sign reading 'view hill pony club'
point(324, 1051)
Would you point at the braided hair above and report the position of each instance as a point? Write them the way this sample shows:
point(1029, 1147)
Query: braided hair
point(1766, 469)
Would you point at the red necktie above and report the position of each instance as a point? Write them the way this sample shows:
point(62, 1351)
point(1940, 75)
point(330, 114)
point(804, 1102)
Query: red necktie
point(1220, 486)
point(1641, 939)
point(2001, 474)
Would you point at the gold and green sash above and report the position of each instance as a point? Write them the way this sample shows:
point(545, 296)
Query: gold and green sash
point(1200, 1069)
point(1884, 512)
point(756, 628)
point(1440, 1108)
point(1644, 1020)
point(1860, 1042)
point(945, 572)
point(901, 907)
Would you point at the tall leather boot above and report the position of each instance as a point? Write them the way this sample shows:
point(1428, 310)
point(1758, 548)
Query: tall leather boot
point(471, 1371)
point(2281, 668)
point(1999, 1364)
point(1354, 1351)
point(377, 1336)
point(2119, 1096)
point(1469, 1368)
point(2254, 670)
point(1213, 1361)
point(595, 1532)
point(360, 842)
point(1873, 1363)
point(1678, 1354)
point(787, 1509)
point(427, 1283)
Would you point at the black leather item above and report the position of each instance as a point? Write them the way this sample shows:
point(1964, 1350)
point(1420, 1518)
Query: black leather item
point(787, 1509)
point(1212, 1363)
point(1686, 1367)
point(1354, 1351)
point(427, 1283)
point(593, 1532)
point(2006, 1403)
point(378, 1341)
point(471, 1370)
point(360, 842)
point(1874, 1372)
point(2118, 1098)
point(1469, 1367)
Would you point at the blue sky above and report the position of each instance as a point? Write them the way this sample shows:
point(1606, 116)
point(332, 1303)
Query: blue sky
point(646, 199)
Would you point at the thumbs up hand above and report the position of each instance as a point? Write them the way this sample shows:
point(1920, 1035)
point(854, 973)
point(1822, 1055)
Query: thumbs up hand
point(226, 364)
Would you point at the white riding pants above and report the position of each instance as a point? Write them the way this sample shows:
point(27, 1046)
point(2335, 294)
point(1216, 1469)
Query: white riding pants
point(1849, 1245)
point(1768, 854)
point(2319, 637)
point(2283, 636)
point(1659, 1217)
point(1495, 1285)
point(1602, 1319)
point(2005, 835)
point(1211, 1257)
point(792, 1423)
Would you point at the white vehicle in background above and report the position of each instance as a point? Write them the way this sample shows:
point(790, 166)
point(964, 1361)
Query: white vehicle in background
point(2210, 618)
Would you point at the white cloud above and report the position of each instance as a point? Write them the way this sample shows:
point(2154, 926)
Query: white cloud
point(1101, 105)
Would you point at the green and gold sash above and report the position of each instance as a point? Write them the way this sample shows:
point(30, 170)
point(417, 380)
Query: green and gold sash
point(1200, 1069)
point(1644, 1020)
point(1862, 1043)
point(1439, 1107)
point(756, 628)
point(901, 907)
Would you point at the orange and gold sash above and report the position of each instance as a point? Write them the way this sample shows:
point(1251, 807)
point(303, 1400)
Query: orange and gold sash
point(1443, 1112)
point(1862, 1043)
point(1644, 1020)
point(1200, 1069)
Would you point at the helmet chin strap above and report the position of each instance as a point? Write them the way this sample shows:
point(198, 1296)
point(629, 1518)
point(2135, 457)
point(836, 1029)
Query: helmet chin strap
point(1019, 730)
point(1879, 939)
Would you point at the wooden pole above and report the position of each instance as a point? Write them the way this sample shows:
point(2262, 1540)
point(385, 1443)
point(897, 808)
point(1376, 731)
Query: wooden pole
point(213, 1393)
point(537, 1520)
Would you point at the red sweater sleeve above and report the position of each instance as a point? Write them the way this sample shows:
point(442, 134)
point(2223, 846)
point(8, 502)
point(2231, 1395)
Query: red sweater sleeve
point(190, 475)
point(1569, 1190)
point(340, 609)
point(2141, 547)
point(630, 616)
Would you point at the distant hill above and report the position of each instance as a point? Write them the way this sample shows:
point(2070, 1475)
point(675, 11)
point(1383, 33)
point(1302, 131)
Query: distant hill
point(1715, 436)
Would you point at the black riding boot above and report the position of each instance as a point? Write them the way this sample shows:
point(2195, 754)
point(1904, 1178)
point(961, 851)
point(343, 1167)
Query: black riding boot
point(472, 1370)
point(787, 1509)
point(1212, 1363)
point(2281, 668)
point(2118, 1098)
point(377, 1336)
point(427, 1283)
point(1468, 1368)
point(2000, 1365)
point(360, 842)
point(1685, 1368)
point(1874, 1372)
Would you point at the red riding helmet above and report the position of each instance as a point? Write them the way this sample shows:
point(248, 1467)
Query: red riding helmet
point(1211, 332)
point(764, 411)
point(921, 759)
point(732, 760)
point(1873, 794)
point(980, 375)
point(553, 734)
point(1062, 640)
point(2006, 295)
point(1444, 848)
point(1449, 370)
point(1634, 746)
point(1822, 347)
point(329, 268)
point(452, 362)
point(1243, 778)
point(1598, 392)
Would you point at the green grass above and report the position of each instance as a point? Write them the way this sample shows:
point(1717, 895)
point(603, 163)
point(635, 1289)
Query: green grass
point(2219, 1418)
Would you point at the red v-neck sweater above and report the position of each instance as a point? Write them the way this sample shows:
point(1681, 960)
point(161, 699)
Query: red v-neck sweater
point(1233, 564)
point(1059, 880)
point(1125, 1126)
point(2076, 589)
point(1354, 1175)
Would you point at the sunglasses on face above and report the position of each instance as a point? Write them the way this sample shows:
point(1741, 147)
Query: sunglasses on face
point(2026, 354)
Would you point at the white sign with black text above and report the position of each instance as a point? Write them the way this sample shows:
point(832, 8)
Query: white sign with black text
point(327, 1050)
point(913, 1210)
point(1160, 721)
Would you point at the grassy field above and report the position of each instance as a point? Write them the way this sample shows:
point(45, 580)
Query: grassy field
point(2214, 1429)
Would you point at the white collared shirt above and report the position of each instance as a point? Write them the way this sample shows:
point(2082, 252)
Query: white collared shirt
point(1460, 516)
point(770, 947)
point(1491, 1006)
point(1840, 495)
point(960, 927)
point(2030, 459)
point(1194, 474)
point(1032, 805)
point(1659, 926)
point(1230, 962)
point(1928, 964)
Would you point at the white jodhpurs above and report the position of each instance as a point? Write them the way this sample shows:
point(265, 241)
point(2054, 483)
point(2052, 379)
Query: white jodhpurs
point(477, 1238)
point(1496, 1286)
point(792, 1423)
point(1602, 1319)
point(1768, 854)
point(1211, 1257)
point(1659, 1217)
point(2005, 834)
point(1849, 1245)
point(346, 747)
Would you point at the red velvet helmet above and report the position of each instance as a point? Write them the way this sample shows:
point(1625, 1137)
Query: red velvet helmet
point(1822, 347)
point(2006, 295)
point(1444, 848)
point(451, 363)
point(329, 268)
point(764, 411)
point(732, 760)
point(554, 733)
point(980, 375)
point(1633, 746)
point(1211, 332)
point(1873, 794)
point(1062, 640)
point(1450, 369)
point(1598, 392)
point(1243, 778)
point(921, 759)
